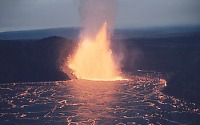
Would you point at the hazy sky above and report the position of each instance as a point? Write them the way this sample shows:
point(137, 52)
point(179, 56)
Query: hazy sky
point(34, 14)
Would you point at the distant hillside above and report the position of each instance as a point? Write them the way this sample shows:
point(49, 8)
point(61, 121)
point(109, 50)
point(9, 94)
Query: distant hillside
point(71, 33)
point(74, 33)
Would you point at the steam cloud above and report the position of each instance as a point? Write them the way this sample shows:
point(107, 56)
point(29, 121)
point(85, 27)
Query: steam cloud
point(94, 13)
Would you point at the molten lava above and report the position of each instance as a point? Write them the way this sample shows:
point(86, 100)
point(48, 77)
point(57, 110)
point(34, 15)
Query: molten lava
point(93, 59)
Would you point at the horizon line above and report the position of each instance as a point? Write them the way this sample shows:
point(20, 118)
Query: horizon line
point(118, 28)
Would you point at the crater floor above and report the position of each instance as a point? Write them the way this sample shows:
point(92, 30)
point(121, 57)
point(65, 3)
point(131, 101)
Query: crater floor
point(137, 101)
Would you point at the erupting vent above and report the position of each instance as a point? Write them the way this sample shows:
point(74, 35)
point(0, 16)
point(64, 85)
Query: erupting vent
point(93, 59)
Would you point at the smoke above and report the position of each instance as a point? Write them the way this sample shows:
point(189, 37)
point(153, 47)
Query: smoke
point(94, 13)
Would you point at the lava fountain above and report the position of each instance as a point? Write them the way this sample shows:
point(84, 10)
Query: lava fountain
point(93, 59)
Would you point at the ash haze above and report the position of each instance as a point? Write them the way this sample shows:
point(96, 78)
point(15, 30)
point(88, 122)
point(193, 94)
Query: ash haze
point(39, 14)
point(93, 14)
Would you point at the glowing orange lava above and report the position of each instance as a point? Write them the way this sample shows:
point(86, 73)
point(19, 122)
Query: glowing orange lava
point(93, 59)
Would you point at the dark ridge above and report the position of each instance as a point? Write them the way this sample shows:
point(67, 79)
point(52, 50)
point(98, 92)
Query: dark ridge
point(33, 60)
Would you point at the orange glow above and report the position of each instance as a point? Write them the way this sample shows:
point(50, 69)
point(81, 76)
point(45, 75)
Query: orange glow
point(93, 59)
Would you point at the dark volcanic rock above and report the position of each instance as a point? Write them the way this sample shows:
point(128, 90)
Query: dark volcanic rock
point(186, 83)
point(33, 60)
